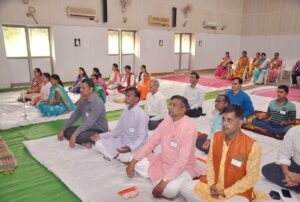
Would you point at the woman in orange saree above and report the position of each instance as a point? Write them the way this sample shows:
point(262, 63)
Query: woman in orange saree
point(242, 65)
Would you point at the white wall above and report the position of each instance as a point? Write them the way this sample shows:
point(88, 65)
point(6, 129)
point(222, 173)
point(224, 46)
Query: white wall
point(5, 78)
point(286, 45)
point(92, 53)
point(53, 12)
point(157, 58)
point(271, 17)
point(212, 49)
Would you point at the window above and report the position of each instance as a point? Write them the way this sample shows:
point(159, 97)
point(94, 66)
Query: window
point(127, 42)
point(113, 42)
point(15, 41)
point(177, 43)
point(185, 43)
point(39, 42)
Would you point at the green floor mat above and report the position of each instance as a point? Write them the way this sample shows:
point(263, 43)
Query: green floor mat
point(31, 181)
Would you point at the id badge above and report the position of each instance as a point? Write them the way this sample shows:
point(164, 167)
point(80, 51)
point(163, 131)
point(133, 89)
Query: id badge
point(236, 162)
point(282, 112)
point(173, 144)
point(86, 114)
point(131, 130)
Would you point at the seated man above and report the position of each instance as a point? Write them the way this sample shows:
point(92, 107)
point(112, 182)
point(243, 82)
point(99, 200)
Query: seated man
point(282, 113)
point(195, 95)
point(233, 164)
point(239, 97)
point(127, 80)
point(130, 133)
point(92, 111)
point(176, 163)
point(156, 105)
point(203, 142)
point(286, 171)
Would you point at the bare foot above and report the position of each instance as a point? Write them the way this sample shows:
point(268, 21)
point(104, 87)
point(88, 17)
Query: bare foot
point(95, 137)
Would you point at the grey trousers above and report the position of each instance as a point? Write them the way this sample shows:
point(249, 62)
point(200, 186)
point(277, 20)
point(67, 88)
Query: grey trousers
point(83, 137)
point(154, 124)
point(199, 142)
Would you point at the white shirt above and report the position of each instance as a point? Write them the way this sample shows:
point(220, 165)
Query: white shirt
point(45, 91)
point(156, 106)
point(290, 147)
point(195, 96)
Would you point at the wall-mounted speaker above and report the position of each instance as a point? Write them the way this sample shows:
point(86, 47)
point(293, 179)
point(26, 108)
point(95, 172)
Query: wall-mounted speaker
point(174, 15)
point(104, 9)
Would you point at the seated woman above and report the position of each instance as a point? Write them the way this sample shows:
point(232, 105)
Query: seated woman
point(45, 90)
point(58, 101)
point(255, 64)
point(276, 63)
point(34, 88)
point(260, 72)
point(114, 78)
point(242, 65)
point(229, 73)
point(98, 89)
point(75, 88)
point(100, 80)
point(221, 69)
point(140, 77)
point(144, 86)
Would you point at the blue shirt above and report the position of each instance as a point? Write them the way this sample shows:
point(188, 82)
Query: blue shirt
point(242, 99)
point(217, 125)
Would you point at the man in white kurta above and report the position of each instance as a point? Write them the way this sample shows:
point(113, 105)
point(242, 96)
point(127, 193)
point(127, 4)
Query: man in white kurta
point(130, 133)
point(156, 105)
point(195, 94)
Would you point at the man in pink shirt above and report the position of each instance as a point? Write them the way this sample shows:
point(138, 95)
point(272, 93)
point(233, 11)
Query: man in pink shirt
point(176, 163)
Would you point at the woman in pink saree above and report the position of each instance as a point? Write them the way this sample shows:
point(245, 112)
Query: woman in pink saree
point(276, 63)
point(221, 69)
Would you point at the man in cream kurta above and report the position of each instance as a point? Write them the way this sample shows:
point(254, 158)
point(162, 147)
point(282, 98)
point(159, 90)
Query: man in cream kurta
point(214, 189)
point(130, 133)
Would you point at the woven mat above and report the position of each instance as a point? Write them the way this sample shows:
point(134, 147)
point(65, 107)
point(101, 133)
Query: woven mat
point(8, 162)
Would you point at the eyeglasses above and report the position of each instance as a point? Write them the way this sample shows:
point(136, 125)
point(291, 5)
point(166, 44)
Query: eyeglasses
point(234, 84)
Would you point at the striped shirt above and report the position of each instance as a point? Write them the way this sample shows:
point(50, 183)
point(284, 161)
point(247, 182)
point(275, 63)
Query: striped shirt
point(278, 112)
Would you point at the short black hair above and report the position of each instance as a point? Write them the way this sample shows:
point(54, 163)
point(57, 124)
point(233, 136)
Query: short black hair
point(127, 67)
point(196, 75)
point(263, 54)
point(143, 66)
point(89, 82)
point(245, 52)
point(284, 87)
point(237, 109)
point(183, 100)
point(239, 80)
point(226, 98)
point(137, 93)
